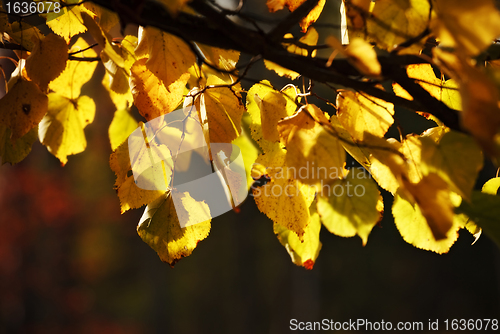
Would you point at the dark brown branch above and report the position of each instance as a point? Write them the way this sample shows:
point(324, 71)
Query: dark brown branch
point(215, 29)
point(291, 20)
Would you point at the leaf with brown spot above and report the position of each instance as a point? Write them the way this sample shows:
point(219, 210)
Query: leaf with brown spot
point(22, 108)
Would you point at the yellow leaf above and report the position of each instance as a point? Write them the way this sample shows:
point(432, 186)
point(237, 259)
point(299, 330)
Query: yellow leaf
point(302, 252)
point(130, 195)
point(169, 56)
point(76, 73)
point(311, 146)
point(151, 96)
point(121, 127)
point(107, 18)
point(68, 21)
point(221, 58)
point(104, 40)
point(15, 151)
point(275, 5)
point(223, 109)
point(433, 198)
point(284, 200)
point(360, 114)
point(22, 108)
point(272, 110)
point(456, 158)
point(311, 38)
point(362, 55)
point(24, 34)
point(47, 60)
point(469, 26)
point(415, 229)
point(159, 227)
point(445, 91)
point(61, 130)
point(351, 206)
point(249, 152)
point(257, 93)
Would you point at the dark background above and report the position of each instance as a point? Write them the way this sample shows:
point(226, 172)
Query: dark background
point(70, 263)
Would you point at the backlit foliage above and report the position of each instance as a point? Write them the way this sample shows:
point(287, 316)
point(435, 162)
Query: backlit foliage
point(436, 58)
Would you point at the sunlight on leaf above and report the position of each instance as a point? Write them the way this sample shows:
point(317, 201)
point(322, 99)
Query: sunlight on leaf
point(302, 252)
point(61, 130)
point(351, 206)
point(159, 227)
point(360, 114)
point(275, 5)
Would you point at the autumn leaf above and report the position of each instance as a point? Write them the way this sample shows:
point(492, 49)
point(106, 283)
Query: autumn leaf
point(389, 23)
point(311, 38)
point(151, 96)
point(221, 107)
point(351, 206)
point(47, 60)
point(68, 21)
point(311, 146)
point(284, 200)
point(266, 110)
point(14, 151)
point(159, 227)
point(292, 5)
point(169, 58)
point(414, 228)
point(61, 130)
point(24, 34)
point(360, 114)
point(445, 91)
point(121, 127)
point(107, 18)
point(130, 195)
point(22, 108)
point(302, 252)
point(76, 74)
point(456, 158)
point(469, 26)
point(249, 152)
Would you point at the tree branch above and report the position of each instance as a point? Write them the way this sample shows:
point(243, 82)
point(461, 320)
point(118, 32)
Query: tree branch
point(215, 29)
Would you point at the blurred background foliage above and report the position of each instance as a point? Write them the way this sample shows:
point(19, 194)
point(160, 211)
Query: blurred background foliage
point(70, 263)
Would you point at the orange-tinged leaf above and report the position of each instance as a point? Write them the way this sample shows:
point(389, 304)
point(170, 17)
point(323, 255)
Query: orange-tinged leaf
point(151, 96)
point(22, 108)
point(272, 110)
point(107, 18)
point(173, 6)
point(169, 56)
point(360, 114)
point(47, 60)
